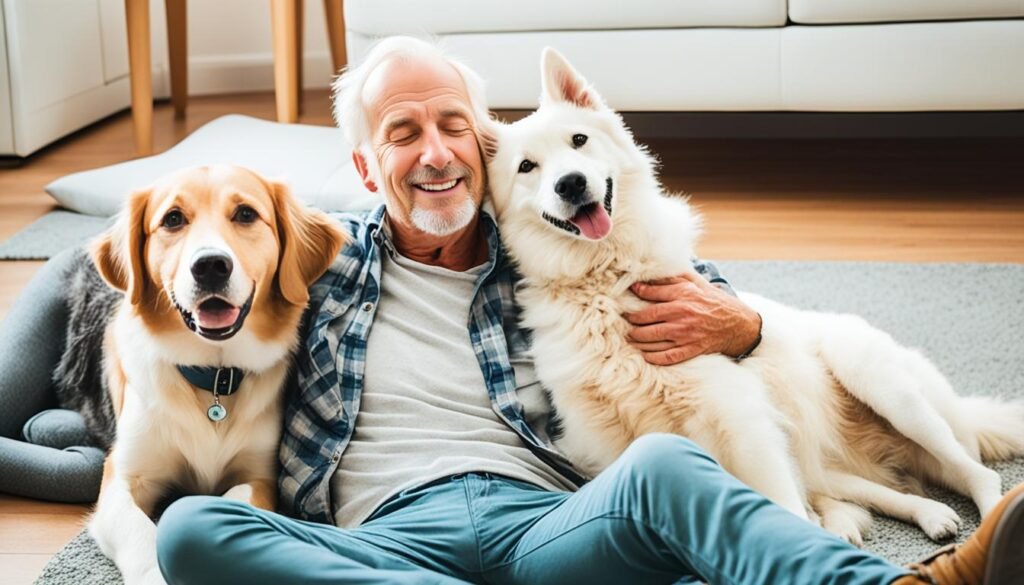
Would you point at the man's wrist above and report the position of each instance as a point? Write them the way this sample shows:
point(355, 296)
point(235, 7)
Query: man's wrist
point(757, 340)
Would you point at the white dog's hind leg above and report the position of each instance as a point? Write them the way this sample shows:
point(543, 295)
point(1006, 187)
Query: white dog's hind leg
point(126, 534)
point(736, 422)
point(844, 519)
point(938, 520)
point(881, 374)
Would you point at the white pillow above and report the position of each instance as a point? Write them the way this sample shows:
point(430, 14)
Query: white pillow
point(314, 160)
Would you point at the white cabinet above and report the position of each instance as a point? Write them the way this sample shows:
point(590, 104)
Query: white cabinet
point(54, 49)
point(114, 36)
point(6, 124)
point(66, 66)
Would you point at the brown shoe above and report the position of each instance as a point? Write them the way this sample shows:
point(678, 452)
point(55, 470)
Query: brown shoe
point(993, 555)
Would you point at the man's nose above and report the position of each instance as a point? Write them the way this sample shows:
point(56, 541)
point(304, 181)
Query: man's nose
point(436, 153)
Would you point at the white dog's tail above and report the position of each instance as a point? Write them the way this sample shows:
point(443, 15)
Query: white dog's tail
point(997, 424)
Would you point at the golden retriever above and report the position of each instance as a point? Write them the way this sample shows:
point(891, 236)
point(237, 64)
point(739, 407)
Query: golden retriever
point(214, 263)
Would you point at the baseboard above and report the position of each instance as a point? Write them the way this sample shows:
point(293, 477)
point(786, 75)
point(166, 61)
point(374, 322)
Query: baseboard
point(980, 124)
point(784, 125)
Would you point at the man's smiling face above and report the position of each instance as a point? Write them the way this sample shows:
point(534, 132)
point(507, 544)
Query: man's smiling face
point(425, 144)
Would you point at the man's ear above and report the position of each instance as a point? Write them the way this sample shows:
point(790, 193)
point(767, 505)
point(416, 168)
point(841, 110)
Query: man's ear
point(308, 240)
point(364, 171)
point(119, 253)
point(560, 83)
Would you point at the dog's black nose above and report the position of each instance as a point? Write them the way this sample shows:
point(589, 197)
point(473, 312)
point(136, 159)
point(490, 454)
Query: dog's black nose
point(572, 187)
point(211, 268)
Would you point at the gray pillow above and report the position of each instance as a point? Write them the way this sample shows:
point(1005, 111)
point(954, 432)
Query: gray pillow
point(314, 160)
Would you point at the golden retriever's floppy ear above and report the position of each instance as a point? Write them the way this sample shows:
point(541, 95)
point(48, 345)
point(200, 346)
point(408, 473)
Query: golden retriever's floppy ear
point(309, 242)
point(119, 252)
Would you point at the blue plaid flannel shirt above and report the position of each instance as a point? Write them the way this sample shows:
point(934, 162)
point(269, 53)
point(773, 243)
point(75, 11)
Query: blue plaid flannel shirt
point(323, 395)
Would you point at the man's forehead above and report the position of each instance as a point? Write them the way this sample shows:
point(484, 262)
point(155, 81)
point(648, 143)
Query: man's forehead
point(413, 81)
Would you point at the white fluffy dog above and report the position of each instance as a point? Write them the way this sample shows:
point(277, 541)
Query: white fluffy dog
point(829, 416)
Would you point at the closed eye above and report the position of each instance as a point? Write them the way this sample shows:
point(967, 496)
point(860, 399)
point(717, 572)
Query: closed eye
point(457, 129)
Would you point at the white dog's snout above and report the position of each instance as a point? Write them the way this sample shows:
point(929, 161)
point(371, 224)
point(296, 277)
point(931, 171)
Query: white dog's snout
point(572, 187)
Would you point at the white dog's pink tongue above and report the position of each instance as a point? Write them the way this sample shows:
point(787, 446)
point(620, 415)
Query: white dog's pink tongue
point(216, 315)
point(593, 221)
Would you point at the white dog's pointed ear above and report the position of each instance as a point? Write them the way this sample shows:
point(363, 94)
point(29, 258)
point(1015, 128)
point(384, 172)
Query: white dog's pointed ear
point(561, 83)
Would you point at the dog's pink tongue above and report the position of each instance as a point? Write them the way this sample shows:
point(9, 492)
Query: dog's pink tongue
point(593, 222)
point(217, 318)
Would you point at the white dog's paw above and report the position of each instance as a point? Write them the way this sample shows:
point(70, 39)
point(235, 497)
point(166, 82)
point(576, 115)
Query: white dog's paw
point(938, 520)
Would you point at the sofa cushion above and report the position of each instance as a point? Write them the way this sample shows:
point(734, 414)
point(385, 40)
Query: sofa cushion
point(836, 11)
point(705, 69)
point(920, 66)
point(389, 17)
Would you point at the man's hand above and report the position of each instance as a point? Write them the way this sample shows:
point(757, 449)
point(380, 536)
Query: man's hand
point(690, 317)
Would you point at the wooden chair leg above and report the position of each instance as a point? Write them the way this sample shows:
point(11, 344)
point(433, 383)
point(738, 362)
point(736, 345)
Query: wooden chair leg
point(177, 50)
point(141, 73)
point(283, 28)
point(299, 25)
point(334, 12)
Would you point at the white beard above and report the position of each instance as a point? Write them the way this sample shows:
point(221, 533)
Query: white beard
point(444, 223)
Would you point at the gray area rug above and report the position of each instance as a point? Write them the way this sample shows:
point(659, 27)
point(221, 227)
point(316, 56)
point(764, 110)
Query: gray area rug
point(967, 317)
point(52, 233)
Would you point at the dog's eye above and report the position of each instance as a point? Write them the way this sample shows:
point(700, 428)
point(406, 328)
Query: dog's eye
point(173, 220)
point(527, 165)
point(245, 214)
point(579, 140)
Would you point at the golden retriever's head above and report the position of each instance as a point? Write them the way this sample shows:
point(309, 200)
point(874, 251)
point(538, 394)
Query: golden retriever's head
point(211, 246)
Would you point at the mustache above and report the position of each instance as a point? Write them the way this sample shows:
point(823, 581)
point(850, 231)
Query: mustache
point(432, 175)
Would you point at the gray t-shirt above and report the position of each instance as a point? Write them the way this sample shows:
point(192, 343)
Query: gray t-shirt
point(424, 413)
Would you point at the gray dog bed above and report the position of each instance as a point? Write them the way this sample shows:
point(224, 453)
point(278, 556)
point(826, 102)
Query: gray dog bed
point(967, 318)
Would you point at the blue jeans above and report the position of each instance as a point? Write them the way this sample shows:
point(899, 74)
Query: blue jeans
point(665, 511)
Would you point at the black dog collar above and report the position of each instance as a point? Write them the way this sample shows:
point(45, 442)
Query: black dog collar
point(222, 381)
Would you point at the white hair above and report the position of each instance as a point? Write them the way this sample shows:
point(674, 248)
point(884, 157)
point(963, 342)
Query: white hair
point(350, 111)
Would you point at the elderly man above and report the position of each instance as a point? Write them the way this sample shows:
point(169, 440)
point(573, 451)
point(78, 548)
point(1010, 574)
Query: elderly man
point(417, 445)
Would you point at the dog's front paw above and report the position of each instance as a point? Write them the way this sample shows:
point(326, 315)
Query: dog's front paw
point(844, 526)
point(938, 520)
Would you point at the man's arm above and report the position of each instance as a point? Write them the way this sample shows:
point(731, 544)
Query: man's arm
point(692, 315)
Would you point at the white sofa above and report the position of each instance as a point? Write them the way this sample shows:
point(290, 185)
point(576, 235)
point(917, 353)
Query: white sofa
point(730, 55)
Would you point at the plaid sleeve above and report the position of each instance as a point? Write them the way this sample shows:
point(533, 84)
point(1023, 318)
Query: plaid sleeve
point(708, 270)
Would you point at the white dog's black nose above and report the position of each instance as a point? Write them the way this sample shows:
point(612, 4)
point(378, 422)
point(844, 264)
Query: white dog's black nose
point(572, 188)
point(211, 268)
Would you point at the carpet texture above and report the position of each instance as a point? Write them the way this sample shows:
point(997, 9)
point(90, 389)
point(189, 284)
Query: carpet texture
point(966, 317)
point(52, 233)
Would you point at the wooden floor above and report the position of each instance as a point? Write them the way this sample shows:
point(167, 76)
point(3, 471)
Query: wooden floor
point(891, 200)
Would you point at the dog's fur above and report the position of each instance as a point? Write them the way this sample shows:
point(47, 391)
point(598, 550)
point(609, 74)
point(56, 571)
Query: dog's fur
point(828, 418)
point(164, 442)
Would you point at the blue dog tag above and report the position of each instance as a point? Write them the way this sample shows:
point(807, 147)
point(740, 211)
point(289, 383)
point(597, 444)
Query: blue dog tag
point(216, 413)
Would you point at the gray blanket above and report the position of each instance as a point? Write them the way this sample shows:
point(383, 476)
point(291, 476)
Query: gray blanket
point(967, 317)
